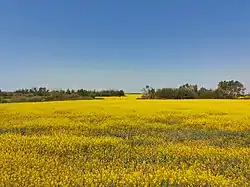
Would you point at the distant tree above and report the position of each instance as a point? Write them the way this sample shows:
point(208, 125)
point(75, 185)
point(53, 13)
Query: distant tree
point(231, 88)
point(190, 87)
point(68, 92)
point(167, 93)
point(149, 92)
point(121, 93)
point(225, 90)
point(204, 93)
point(188, 91)
point(220, 94)
point(145, 90)
point(43, 94)
point(42, 91)
point(62, 91)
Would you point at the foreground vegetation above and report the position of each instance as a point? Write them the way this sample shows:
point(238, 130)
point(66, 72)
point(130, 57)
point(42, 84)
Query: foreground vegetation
point(125, 142)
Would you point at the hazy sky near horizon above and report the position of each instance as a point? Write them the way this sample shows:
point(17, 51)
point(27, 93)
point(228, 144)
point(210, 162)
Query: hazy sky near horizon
point(126, 45)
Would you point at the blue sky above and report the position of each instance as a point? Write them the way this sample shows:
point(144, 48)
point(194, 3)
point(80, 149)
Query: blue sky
point(126, 45)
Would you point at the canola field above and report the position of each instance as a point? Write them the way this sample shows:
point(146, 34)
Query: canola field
point(125, 142)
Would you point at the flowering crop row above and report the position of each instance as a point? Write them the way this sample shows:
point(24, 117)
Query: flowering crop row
point(125, 142)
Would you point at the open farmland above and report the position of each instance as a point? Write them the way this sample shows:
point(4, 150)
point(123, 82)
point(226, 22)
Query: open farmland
point(125, 142)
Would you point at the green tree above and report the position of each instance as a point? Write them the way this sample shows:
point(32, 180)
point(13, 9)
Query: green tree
point(204, 93)
point(188, 91)
point(231, 89)
point(148, 92)
point(121, 93)
point(68, 92)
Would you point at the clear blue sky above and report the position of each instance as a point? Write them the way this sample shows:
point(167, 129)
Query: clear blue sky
point(123, 44)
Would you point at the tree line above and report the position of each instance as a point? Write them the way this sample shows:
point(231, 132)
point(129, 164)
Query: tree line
point(44, 94)
point(225, 90)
